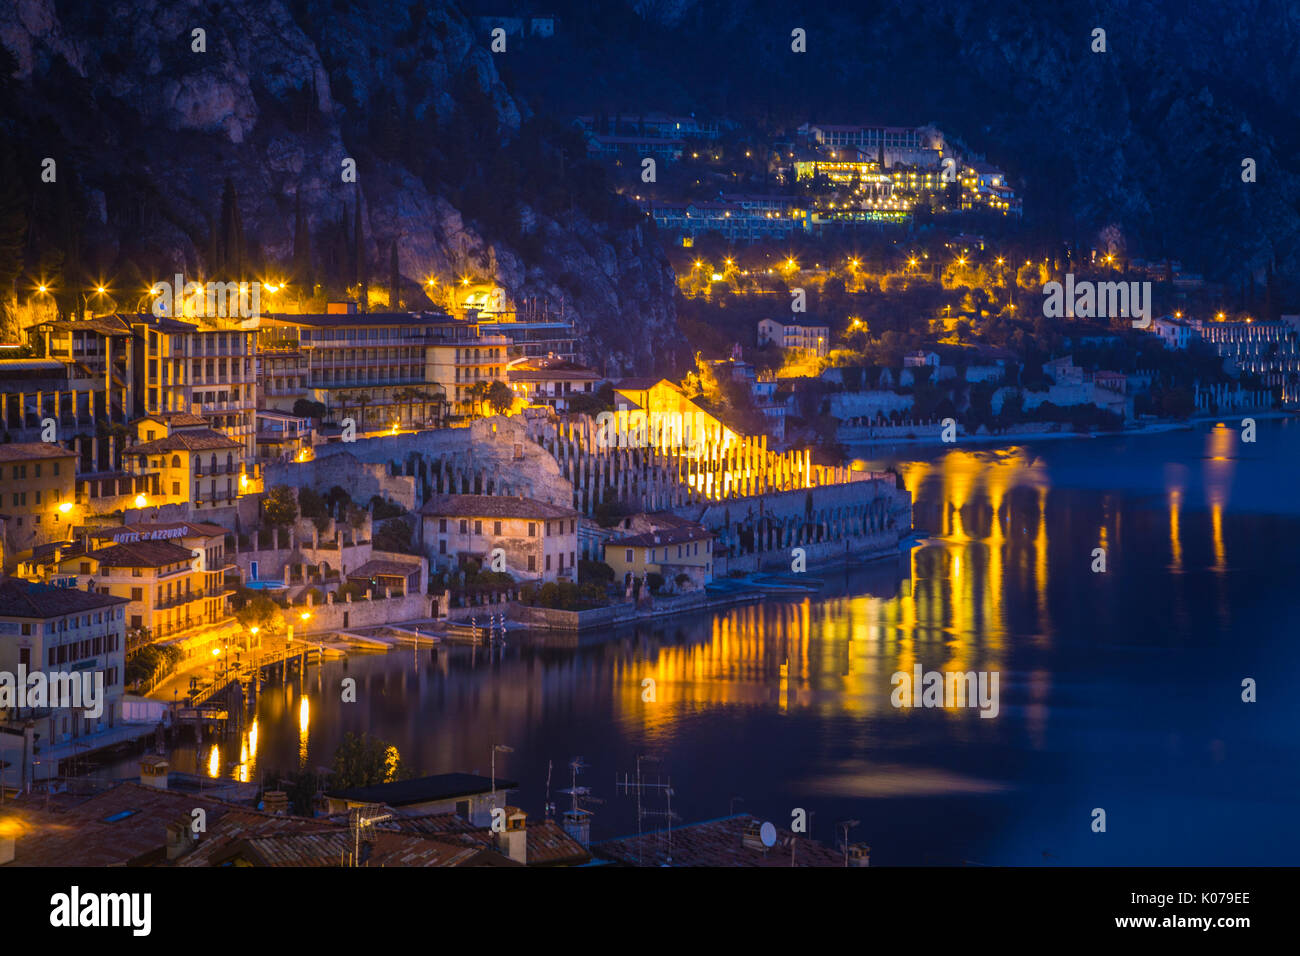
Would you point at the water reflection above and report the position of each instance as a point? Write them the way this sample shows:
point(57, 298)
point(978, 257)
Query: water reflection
point(790, 699)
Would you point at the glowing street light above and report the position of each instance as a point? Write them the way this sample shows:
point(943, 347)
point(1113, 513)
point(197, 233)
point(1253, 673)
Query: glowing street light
point(65, 507)
point(141, 501)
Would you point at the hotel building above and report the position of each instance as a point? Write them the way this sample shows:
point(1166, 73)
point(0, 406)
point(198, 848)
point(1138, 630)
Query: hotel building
point(57, 630)
point(382, 369)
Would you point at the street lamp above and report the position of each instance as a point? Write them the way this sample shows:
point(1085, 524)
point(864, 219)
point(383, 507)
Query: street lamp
point(505, 750)
point(847, 825)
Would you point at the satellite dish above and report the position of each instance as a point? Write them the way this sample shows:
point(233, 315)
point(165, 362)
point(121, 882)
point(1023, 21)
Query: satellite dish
point(767, 833)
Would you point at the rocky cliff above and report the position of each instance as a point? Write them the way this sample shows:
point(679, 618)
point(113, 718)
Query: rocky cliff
point(149, 121)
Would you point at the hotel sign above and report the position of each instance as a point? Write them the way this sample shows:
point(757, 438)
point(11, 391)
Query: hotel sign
point(132, 537)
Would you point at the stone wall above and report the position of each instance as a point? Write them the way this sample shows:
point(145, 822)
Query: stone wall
point(330, 615)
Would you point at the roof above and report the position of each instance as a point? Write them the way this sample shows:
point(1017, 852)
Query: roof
point(34, 451)
point(442, 786)
point(19, 598)
point(550, 369)
point(142, 554)
point(493, 506)
point(716, 843)
point(208, 440)
point(204, 528)
point(378, 568)
point(330, 319)
point(548, 844)
point(181, 419)
point(808, 322)
point(647, 539)
point(104, 325)
point(114, 827)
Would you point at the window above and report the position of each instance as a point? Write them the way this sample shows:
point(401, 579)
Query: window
point(464, 526)
point(442, 546)
point(442, 524)
point(548, 562)
point(532, 529)
point(137, 594)
point(84, 567)
point(478, 527)
point(532, 562)
point(496, 528)
point(27, 630)
point(627, 555)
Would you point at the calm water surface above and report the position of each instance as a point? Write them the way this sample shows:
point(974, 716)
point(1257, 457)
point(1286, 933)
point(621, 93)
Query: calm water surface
point(1119, 690)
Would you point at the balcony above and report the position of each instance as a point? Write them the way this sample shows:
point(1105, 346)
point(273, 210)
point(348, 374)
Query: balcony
point(187, 598)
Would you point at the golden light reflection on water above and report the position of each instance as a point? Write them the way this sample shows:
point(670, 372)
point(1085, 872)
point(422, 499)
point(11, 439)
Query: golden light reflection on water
point(304, 720)
point(989, 554)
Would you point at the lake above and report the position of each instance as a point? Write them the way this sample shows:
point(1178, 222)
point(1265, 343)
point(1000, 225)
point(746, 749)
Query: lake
point(1119, 690)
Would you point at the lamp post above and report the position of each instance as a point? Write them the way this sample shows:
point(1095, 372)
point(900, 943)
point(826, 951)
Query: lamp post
point(505, 750)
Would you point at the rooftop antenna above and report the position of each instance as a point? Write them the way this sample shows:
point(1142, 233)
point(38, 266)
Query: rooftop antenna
point(638, 786)
point(577, 819)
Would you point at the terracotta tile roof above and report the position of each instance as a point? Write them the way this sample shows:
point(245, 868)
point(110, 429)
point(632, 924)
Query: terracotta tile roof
point(116, 827)
point(493, 506)
point(19, 598)
point(33, 451)
point(142, 554)
point(178, 419)
point(198, 440)
point(191, 528)
point(715, 843)
point(239, 825)
point(547, 843)
point(548, 370)
point(648, 539)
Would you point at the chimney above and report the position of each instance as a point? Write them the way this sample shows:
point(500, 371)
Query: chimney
point(181, 838)
point(153, 771)
point(752, 837)
point(514, 841)
point(577, 824)
point(859, 854)
point(276, 802)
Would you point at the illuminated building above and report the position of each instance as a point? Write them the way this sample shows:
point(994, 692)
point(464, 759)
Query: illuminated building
point(535, 540)
point(804, 335)
point(37, 487)
point(550, 381)
point(378, 368)
point(59, 630)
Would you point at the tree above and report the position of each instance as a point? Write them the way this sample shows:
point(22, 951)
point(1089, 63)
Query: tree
point(281, 506)
point(363, 761)
point(394, 535)
point(302, 273)
point(262, 613)
point(500, 397)
point(361, 274)
point(394, 279)
point(306, 408)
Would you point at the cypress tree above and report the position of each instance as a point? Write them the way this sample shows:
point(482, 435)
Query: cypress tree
point(302, 272)
point(394, 279)
point(360, 273)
